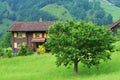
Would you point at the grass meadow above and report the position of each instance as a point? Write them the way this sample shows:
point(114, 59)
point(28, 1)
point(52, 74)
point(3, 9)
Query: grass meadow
point(111, 9)
point(58, 11)
point(42, 67)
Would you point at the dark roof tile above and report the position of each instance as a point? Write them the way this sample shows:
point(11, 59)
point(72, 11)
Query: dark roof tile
point(30, 26)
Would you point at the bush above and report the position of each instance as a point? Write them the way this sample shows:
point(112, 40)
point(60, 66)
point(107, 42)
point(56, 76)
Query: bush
point(1, 52)
point(24, 51)
point(41, 49)
point(29, 51)
point(117, 46)
point(8, 52)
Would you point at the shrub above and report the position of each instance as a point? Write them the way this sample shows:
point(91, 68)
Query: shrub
point(117, 46)
point(29, 51)
point(41, 49)
point(24, 51)
point(8, 52)
point(1, 51)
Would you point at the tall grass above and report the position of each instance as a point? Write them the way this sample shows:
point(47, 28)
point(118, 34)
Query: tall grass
point(42, 67)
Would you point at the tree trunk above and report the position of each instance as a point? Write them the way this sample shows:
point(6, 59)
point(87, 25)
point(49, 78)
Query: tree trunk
point(76, 67)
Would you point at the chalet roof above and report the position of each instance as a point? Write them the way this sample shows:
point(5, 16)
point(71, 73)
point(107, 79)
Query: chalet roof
point(30, 26)
point(114, 24)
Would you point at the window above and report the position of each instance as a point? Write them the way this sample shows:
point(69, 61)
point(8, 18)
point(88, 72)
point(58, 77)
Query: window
point(15, 45)
point(19, 45)
point(24, 44)
point(40, 35)
point(37, 35)
point(15, 34)
point(19, 34)
point(45, 35)
point(24, 35)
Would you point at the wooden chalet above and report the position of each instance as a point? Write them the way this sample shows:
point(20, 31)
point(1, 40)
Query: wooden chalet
point(30, 33)
point(115, 26)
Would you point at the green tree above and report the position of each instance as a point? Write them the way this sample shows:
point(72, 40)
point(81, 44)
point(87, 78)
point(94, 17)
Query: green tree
point(6, 39)
point(74, 42)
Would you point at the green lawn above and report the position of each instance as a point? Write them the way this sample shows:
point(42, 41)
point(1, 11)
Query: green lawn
point(42, 67)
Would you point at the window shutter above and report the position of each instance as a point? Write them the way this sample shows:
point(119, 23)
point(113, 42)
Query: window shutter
point(45, 35)
point(33, 35)
point(48, 36)
point(15, 34)
point(24, 35)
point(40, 35)
point(24, 43)
point(15, 45)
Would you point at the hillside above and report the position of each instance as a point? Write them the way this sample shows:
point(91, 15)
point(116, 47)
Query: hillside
point(115, 2)
point(4, 26)
point(42, 67)
point(52, 10)
point(58, 11)
point(111, 9)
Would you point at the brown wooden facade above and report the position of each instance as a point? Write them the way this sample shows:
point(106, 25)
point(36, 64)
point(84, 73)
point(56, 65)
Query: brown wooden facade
point(26, 33)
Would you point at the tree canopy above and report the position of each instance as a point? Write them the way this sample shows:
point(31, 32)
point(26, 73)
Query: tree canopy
point(5, 41)
point(74, 42)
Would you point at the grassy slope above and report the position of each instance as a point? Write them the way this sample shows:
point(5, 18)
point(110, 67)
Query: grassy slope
point(110, 8)
point(43, 67)
point(4, 26)
point(58, 11)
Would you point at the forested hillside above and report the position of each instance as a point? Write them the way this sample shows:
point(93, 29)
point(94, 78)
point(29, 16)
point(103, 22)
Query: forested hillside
point(111, 9)
point(52, 10)
point(115, 2)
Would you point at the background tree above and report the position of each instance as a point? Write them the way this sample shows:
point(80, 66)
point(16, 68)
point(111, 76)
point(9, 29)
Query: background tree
point(5, 41)
point(83, 42)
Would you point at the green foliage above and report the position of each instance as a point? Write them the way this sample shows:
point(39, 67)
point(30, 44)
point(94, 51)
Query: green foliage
point(118, 34)
point(1, 51)
point(72, 42)
point(41, 49)
point(79, 10)
point(5, 41)
point(8, 52)
point(4, 26)
point(88, 11)
point(116, 46)
point(115, 2)
point(24, 51)
point(52, 10)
